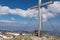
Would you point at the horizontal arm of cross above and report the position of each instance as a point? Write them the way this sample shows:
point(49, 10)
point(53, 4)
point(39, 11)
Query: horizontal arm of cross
point(48, 3)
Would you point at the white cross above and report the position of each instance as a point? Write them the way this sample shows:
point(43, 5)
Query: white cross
point(39, 13)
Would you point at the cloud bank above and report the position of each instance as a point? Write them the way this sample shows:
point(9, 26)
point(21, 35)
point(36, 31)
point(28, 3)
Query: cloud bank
point(49, 12)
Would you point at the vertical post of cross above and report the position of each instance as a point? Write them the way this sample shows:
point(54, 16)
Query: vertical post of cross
point(39, 18)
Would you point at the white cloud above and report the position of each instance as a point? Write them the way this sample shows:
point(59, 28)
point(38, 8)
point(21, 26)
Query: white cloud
point(46, 14)
point(24, 13)
point(55, 8)
point(5, 21)
point(12, 18)
point(50, 12)
point(4, 10)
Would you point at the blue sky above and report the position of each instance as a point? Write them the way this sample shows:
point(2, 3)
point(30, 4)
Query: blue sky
point(13, 4)
point(18, 7)
point(23, 4)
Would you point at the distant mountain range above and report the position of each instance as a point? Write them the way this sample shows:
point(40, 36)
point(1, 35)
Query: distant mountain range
point(44, 32)
point(23, 27)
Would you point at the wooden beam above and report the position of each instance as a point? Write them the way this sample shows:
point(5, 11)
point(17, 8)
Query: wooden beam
point(44, 4)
